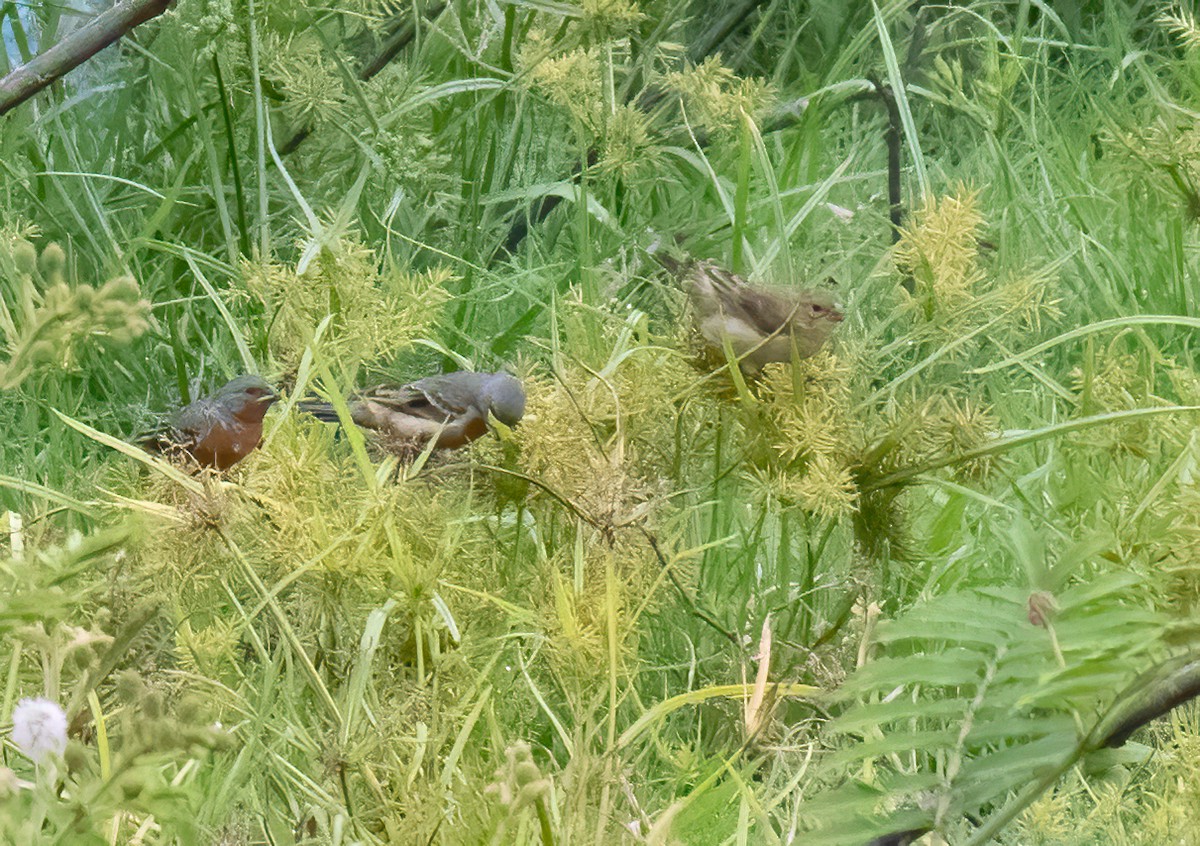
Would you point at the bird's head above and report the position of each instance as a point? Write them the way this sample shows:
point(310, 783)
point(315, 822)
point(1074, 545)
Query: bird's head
point(504, 397)
point(819, 307)
point(247, 397)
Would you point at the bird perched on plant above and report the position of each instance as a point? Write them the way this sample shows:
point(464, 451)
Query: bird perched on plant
point(760, 325)
point(219, 430)
point(453, 408)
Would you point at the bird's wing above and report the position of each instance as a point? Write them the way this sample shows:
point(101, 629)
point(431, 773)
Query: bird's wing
point(199, 417)
point(366, 405)
point(410, 401)
point(734, 297)
point(185, 428)
point(318, 409)
point(668, 251)
point(765, 311)
point(451, 431)
point(673, 265)
point(457, 393)
point(418, 408)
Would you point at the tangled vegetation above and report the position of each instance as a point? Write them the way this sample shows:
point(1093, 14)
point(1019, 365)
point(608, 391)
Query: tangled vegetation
point(904, 590)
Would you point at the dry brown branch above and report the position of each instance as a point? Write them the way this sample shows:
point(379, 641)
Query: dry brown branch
point(75, 49)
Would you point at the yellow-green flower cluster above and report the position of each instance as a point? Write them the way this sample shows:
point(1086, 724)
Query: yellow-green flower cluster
point(206, 26)
point(953, 293)
point(955, 426)
point(374, 313)
point(1159, 158)
point(939, 250)
point(816, 435)
point(1181, 23)
point(49, 324)
point(520, 781)
point(311, 84)
point(717, 98)
point(571, 81)
point(628, 146)
point(611, 15)
point(1113, 380)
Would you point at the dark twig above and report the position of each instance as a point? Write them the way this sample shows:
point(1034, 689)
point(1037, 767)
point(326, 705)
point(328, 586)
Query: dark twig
point(710, 41)
point(397, 41)
point(555, 495)
point(901, 838)
point(896, 210)
point(687, 597)
point(539, 211)
point(1148, 697)
point(75, 49)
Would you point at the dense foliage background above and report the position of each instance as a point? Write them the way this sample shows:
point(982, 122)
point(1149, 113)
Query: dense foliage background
point(899, 586)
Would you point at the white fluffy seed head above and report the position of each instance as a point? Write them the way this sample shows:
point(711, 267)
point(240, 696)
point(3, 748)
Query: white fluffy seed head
point(39, 729)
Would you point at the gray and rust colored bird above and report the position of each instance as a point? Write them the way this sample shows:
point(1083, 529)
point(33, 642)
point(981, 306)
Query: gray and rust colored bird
point(760, 325)
point(219, 430)
point(453, 408)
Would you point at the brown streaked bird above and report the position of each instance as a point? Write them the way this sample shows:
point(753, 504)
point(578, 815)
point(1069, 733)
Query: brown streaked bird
point(453, 408)
point(761, 325)
point(219, 430)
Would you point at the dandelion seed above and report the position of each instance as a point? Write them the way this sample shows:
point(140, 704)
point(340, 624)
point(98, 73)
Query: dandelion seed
point(39, 729)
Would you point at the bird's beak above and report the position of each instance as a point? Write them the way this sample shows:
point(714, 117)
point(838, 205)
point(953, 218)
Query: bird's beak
point(499, 426)
point(836, 314)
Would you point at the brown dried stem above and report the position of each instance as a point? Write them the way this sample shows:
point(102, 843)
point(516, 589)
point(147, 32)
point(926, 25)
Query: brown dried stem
point(68, 54)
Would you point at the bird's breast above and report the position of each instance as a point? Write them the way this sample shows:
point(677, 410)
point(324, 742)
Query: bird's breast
point(462, 431)
point(224, 445)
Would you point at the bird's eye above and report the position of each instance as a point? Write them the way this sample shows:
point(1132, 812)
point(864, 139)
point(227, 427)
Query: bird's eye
point(818, 309)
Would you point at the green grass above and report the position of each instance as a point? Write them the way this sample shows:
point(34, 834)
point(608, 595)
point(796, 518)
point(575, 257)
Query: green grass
point(899, 585)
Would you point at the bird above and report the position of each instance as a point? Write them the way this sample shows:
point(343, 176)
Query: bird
point(760, 325)
point(452, 408)
point(218, 430)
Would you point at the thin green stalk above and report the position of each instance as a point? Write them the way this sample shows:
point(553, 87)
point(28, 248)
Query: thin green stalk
point(239, 190)
point(741, 196)
point(1002, 445)
point(260, 132)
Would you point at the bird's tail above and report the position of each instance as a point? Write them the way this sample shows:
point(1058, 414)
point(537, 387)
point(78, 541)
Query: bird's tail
point(156, 442)
point(158, 438)
point(320, 410)
point(667, 251)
